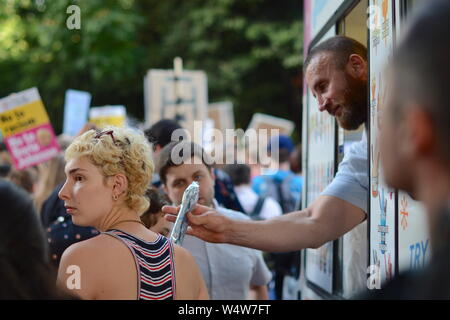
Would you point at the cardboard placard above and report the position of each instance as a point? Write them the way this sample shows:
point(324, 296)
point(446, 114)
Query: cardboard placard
point(26, 129)
point(76, 108)
point(108, 116)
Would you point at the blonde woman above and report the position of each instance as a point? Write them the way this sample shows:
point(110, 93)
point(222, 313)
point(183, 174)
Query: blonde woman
point(107, 175)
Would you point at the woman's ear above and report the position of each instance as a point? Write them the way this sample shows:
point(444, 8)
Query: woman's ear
point(120, 185)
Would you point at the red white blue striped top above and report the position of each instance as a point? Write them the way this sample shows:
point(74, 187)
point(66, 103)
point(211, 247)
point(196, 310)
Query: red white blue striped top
point(155, 265)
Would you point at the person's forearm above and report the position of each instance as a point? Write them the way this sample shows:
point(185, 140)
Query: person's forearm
point(289, 232)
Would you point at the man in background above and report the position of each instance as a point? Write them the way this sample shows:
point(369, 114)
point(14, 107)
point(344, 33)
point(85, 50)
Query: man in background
point(167, 130)
point(230, 272)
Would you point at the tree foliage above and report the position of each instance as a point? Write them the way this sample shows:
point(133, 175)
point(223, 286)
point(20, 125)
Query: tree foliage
point(250, 50)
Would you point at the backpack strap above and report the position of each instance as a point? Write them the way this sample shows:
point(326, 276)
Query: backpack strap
point(254, 215)
point(280, 195)
point(284, 187)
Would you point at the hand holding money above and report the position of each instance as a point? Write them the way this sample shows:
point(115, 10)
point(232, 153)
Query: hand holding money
point(190, 198)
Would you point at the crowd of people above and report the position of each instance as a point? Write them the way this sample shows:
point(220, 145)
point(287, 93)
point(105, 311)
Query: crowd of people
point(106, 205)
point(101, 201)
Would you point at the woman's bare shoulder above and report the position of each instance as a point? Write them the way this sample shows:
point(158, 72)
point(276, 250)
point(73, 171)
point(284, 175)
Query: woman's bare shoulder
point(96, 247)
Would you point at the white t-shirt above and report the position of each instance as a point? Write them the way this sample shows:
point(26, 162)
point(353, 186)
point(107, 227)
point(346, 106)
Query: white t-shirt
point(351, 184)
point(228, 270)
point(248, 199)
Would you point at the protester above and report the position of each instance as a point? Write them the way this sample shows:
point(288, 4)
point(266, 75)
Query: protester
point(159, 135)
point(295, 160)
point(281, 184)
point(257, 207)
point(51, 174)
point(25, 178)
point(25, 272)
point(286, 188)
point(165, 131)
point(108, 173)
point(229, 271)
point(5, 160)
point(153, 218)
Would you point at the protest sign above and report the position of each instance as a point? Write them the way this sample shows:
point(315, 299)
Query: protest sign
point(76, 107)
point(108, 116)
point(26, 129)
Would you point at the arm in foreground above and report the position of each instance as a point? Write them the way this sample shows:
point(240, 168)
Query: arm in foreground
point(326, 219)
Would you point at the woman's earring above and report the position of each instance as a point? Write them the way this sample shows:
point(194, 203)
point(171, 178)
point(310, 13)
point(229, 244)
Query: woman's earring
point(115, 197)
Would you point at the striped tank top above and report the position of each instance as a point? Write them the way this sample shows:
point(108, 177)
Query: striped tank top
point(155, 265)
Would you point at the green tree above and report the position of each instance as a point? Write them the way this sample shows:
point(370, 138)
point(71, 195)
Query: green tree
point(250, 50)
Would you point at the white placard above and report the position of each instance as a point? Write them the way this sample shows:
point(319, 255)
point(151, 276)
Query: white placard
point(108, 116)
point(222, 114)
point(265, 121)
point(184, 98)
point(76, 108)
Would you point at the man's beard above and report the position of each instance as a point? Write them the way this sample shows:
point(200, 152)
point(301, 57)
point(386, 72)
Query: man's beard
point(354, 109)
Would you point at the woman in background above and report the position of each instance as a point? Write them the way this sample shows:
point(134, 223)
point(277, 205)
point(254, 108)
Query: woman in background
point(153, 218)
point(25, 272)
point(51, 174)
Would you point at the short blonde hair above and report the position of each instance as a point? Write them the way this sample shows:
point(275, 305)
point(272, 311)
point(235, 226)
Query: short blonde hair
point(118, 150)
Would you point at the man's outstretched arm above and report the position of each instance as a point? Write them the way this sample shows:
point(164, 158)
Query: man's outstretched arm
point(326, 219)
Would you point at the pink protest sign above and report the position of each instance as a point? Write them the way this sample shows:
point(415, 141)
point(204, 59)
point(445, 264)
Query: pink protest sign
point(26, 128)
point(33, 146)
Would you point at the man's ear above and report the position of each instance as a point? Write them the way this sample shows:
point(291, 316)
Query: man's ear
point(357, 66)
point(120, 184)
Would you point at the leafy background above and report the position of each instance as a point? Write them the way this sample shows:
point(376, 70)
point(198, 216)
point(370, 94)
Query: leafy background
point(251, 51)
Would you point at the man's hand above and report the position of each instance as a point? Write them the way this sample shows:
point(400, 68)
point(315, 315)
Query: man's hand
point(204, 223)
point(328, 218)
